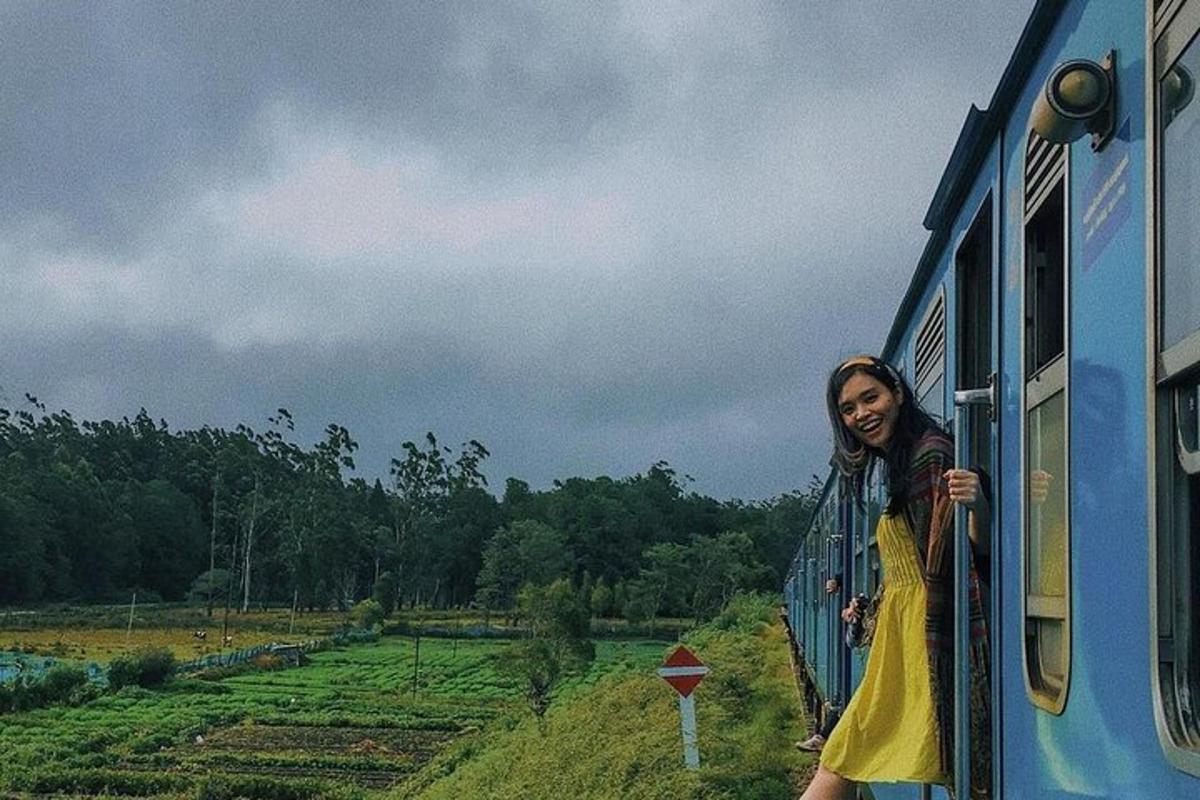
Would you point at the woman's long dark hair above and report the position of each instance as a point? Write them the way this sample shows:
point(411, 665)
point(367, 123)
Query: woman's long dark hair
point(854, 459)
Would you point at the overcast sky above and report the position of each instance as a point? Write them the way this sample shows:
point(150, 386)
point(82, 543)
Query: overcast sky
point(591, 235)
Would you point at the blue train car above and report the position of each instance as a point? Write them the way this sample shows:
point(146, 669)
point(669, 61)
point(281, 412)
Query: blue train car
point(1062, 273)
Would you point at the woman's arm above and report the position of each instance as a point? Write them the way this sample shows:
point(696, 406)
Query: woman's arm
point(965, 487)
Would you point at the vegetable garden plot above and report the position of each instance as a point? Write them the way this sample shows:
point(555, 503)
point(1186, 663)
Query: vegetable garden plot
point(349, 718)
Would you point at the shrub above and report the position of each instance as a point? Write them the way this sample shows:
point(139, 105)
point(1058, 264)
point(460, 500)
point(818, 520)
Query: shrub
point(146, 666)
point(63, 683)
point(746, 612)
point(367, 614)
point(98, 742)
point(151, 743)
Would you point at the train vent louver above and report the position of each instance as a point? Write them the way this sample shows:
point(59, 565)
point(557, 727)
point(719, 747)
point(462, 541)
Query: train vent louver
point(930, 356)
point(1044, 163)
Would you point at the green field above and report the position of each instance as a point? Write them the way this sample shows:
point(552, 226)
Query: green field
point(352, 723)
point(346, 724)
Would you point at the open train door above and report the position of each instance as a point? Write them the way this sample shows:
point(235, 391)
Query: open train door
point(976, 361)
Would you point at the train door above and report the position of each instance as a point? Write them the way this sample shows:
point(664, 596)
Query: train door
point(1175, 464)
point(976, 361)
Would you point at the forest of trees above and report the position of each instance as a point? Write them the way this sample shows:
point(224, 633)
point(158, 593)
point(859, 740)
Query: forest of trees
point(90, 511)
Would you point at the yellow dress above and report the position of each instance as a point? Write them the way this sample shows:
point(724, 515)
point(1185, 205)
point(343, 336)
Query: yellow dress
point(888, 731)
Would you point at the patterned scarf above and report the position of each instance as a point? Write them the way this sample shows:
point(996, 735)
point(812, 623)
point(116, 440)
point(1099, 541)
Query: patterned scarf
point(930, 514)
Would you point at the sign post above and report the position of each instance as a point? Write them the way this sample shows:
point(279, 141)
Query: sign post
point(684, 672)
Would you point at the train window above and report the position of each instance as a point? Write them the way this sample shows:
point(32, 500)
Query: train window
point(1176, 562)
point(1180, 315)
point(813, 593)
point(823, 556)
point(973, 331)
point(1046, 597)
point(1045, 280)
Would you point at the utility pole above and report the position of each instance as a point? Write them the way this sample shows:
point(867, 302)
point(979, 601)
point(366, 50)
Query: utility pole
point(212, 541)
point(129, 628)
point(416, 660)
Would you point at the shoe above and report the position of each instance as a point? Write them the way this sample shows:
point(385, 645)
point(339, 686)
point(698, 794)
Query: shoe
point(812, 744)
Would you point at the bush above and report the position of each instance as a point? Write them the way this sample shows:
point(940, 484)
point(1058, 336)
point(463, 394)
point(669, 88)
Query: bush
point(151, 743)
point(146, 666)
point(747, 612)
point(63, 683)
point(367, 614)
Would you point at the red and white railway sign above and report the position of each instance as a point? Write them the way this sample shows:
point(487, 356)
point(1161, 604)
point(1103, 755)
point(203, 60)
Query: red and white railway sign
point(684, 671)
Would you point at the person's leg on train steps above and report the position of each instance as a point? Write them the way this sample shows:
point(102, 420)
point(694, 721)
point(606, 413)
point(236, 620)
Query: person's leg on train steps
point(827, 785)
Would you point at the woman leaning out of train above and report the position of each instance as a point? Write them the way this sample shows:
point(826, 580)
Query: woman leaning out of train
point(898, 727)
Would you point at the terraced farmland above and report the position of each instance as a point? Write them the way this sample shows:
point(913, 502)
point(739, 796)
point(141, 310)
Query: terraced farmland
point(349, 723)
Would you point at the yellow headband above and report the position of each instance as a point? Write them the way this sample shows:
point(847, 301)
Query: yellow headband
point(870, 361)
point(857, 361)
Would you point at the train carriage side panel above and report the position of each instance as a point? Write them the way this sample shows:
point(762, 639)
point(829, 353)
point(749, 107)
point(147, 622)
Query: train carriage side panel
point(1095, 738)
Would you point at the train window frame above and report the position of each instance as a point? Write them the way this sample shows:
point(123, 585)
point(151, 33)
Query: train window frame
point(1042, 383)
point(1173, 463)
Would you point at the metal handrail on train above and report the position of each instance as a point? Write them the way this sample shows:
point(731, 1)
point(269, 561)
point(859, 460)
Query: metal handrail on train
point(963, 399)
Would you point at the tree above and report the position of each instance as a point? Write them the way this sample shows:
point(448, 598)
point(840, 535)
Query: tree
point(424, 484)
point(558, 641)
point(602, 600)
point(385, 593)
point(525, 552)
point(23, 533)
point(722, 566)
point(666, 579)
point(643, 603)
point(167, 535)
point(210, 582)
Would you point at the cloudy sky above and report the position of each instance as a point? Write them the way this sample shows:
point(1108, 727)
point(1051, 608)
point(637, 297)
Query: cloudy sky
point(590, 235)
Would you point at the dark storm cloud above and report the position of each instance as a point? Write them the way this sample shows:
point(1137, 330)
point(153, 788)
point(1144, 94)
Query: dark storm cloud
point(112, 105)
point(592, 236)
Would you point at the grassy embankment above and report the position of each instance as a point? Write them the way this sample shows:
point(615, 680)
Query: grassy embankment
point(622, 738)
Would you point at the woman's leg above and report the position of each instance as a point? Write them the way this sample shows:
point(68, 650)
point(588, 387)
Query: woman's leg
point(828, 785)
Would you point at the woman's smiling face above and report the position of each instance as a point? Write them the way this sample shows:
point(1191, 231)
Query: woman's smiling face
point(869, 409)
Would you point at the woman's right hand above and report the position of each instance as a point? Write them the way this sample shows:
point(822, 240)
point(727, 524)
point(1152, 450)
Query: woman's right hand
point(854, 612)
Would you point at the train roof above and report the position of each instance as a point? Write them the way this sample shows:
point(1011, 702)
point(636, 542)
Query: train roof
point(974, 141)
